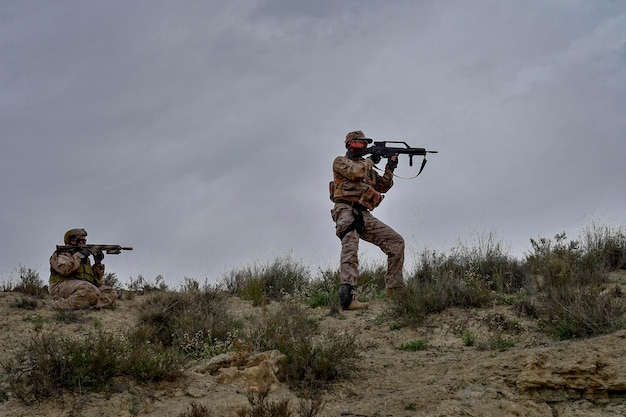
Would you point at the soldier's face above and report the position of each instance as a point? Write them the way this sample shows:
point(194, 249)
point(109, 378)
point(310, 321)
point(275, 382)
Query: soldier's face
point(79, 241)
point(357, 144)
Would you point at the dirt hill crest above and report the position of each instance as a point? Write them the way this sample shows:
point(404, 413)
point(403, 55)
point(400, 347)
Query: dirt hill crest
point(510, 369)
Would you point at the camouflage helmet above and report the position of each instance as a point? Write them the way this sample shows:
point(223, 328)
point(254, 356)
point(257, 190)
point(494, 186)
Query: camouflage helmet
point(357, 134)
point(73, 234)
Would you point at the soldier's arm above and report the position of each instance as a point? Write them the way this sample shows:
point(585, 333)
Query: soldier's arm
point(65, 263)
point(353, 170)
point(98, 271)
point(384, 182)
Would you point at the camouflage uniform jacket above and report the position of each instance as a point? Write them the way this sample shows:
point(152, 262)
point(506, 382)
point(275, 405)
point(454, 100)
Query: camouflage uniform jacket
point(355, 181)
point(66, 266)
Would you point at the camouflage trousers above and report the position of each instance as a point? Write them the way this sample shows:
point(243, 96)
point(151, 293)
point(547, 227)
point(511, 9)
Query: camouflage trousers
point(375, 232)
point(77, 294)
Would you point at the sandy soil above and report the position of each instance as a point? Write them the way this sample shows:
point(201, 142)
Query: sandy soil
point(535, 377)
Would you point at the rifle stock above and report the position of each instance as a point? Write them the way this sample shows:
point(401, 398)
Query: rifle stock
point(95, 248)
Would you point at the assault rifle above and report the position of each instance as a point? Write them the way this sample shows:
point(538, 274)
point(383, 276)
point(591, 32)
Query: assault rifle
point(95, 248)
point(382, 150)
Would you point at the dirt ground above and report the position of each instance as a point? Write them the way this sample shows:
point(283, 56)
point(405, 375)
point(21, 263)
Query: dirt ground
point(531, 375)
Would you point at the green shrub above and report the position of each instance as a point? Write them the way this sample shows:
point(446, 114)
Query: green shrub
point(321, 299)
point(313, 359)
point(143, 285)
point(485, 261)
point(468, 338)
point(421, 299)
point(322, 291)
point(69, 316)
point(197, 410)
point(261, 283)
point(37, 321)
point(468, 276)
point(572, 274)
point(395, 326)
point(254, 290)
point(415, 304)
point(30, 284)
point(413, 345)
point(26, 303)
point(152, 362)
point(110, 279)
point(194, 321)
point(501, 343)
point(501, 323)
point(261, 406)
point(47, 364)
point(562, 263)
point(526, 308)
point(572, 312)
point(371, 279)
point(7, 286)
point(604, 246)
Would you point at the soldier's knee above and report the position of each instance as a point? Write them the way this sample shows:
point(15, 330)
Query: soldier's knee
point(396, 243)
point(88, 292)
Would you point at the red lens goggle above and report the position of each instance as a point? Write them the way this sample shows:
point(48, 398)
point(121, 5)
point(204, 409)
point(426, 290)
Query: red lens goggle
point(358, 144)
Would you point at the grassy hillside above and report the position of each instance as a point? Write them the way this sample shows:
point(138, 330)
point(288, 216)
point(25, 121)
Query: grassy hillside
point(564, 290)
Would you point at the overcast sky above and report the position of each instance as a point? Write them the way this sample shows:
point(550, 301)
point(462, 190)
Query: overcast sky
point(202, 133)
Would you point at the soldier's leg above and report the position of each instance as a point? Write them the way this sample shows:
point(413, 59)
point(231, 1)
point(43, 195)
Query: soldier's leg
point(348, 262)
point(348, 268)
point(107, 297)
point(392, 245)
point(73, 295)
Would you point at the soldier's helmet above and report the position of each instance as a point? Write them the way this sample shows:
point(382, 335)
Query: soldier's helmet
point(357, 134)
point(72, 234)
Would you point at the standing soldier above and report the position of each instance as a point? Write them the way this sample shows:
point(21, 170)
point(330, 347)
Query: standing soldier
point(74, 283)
point(356, 189)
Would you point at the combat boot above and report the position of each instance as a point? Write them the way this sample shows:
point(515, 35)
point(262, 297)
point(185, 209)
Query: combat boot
point(357, 305)
point(348, 300)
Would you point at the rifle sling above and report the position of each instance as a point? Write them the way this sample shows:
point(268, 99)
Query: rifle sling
point(423, 165)
point(358, 223)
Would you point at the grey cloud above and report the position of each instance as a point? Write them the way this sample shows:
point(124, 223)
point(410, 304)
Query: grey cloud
point(202, 133)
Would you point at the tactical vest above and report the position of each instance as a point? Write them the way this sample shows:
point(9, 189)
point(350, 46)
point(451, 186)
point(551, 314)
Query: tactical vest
point(84, 272)
point(360, 192)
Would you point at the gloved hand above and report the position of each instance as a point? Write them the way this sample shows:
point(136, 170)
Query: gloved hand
point(98, 257)
point(392, 162)
point(375, 158)
point(85, 253)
